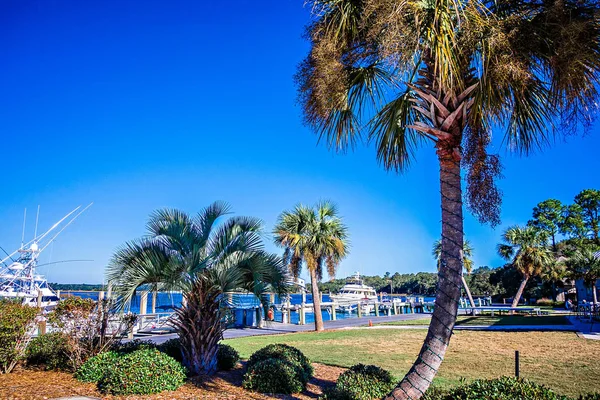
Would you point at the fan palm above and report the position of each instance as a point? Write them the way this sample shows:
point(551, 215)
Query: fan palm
point(585, 264)
point(467, 261)
point(526, 249)
point(204, 259)
point(554, 272)
point(316, 237)
point(443, 72)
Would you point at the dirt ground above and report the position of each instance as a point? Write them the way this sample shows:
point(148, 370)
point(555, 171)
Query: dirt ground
point(42, 385)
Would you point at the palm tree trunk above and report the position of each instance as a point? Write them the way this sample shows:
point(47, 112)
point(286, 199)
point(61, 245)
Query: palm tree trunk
point(595, 294)
point(316, 300)
point(419, 378)
point(520, 291)
point(464, 282)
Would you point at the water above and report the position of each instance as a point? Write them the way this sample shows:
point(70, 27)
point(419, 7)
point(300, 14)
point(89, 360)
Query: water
point(166, 301)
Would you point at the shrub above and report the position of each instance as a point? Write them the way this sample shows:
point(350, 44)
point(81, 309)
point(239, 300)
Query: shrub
point(363, 382)
point(50, 351)
point(285, 353)
point(16, 320)
point(227, 357)
point(142, 372)
point(505, 388)
point(132, 345)
point(591, 396)
point(94, 368)
point(172, 348)
point(275, 375)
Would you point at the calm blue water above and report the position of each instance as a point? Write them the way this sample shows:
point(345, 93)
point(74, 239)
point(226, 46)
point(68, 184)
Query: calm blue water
point(165, 301)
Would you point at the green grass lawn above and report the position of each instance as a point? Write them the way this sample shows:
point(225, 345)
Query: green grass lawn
point(505, 320)
point(559, 360)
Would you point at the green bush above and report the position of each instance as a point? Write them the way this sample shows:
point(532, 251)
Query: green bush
point(275, 375)
point(362, 382)
point(142, 372)
point(132, 345)
point(172, 348)
point(50, 351)
point(285, 353)
point(227, 357)
point(16, 320)
point(591, 396)
point(94, 369)
point(505, 388)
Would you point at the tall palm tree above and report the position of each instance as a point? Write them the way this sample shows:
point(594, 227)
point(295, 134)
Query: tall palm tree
point(527, 250)
point(443, 72)
point(204, 258)
point(585, 264)
point(317, 237)
point(467, 261)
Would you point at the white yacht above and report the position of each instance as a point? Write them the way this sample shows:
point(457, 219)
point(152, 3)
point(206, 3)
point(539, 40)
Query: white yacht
point(354, 291)
point(18, 278)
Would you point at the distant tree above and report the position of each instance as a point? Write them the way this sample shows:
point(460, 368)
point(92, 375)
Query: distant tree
point(467, 261)
point(589, 212)
point(527, 251)
point(585, 264)
point(553, 273)
point(549, 215)
point(317, 237)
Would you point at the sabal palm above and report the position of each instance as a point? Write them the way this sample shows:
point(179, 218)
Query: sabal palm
point(554, 272)
point(443, 72)
point(585, 264)
point(526, 249)
point(203, 258)
point(467, 261)
point(317, 237)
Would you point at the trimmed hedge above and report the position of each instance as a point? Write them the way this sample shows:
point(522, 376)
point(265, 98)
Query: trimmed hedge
point(504, 388)
point(227, 357)
point(94, 368)
point(285, 353)
point(363, 382)
point(274, 375)
point(172, 348)
point(145, 371)
point(50, 351)
point(133, 345)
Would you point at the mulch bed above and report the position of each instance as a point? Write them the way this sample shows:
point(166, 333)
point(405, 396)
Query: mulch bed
point(40, 385)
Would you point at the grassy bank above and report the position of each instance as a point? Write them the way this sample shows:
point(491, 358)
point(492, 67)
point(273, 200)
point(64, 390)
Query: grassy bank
point(506, 320)
point(559, 360)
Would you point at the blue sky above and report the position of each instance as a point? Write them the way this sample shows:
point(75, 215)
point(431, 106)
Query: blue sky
point(140, 105)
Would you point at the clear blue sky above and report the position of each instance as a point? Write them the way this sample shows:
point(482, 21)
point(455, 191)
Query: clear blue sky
point(137, 105)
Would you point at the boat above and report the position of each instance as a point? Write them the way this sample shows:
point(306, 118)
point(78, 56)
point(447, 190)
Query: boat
point(18, 277)
point(353, 292)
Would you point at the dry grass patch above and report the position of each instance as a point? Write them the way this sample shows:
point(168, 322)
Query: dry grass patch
point(560, 360)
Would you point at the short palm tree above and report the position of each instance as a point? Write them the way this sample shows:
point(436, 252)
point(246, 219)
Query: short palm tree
point(467, 260)
point(554, 272)
point(317, 237)
point(527, 251)
point(585, 264)
point(203, 258)
point(443, 73)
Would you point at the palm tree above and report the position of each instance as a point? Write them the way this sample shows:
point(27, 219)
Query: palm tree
point(585, 264)
point(317, 237)
point(527, 250)
point(443, 72)
point(467, 261)
point(554, 272)
point(204, 259)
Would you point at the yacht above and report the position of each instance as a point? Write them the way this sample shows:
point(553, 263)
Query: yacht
point(18, 277)
point(354, 291)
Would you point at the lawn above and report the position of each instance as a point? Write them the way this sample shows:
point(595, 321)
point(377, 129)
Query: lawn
point(505, 320)
point(559, 360)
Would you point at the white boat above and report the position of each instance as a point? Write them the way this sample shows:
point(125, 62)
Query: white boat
point(354, 291)
point(18, 277)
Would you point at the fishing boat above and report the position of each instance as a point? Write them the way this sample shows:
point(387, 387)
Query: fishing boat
point(18, 276)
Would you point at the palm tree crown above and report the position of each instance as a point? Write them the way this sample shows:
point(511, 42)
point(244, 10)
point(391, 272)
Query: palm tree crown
point(204, 259)
point(526, 249)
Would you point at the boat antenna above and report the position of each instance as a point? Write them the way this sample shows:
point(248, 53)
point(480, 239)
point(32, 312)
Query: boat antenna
point(6, 252)
point(23, 235)
point(63, 261)
point(37, 218)
point(66, 225)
